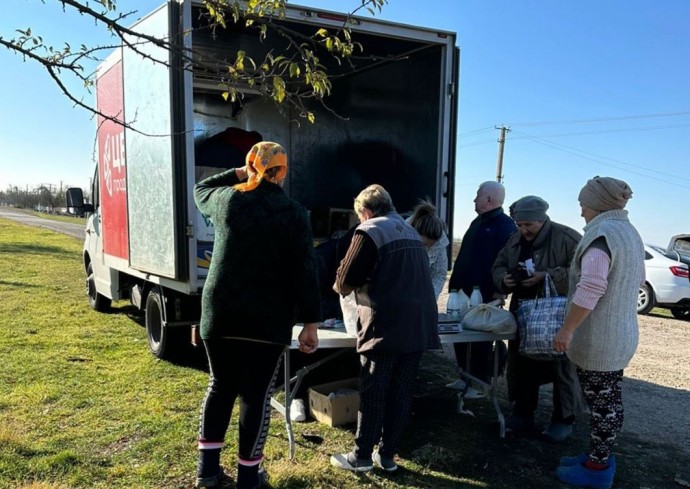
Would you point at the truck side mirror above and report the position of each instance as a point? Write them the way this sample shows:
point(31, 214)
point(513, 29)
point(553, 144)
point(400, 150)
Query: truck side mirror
point(75, 202)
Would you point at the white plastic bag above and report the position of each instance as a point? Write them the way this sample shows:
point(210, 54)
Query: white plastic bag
point(490, 318)
point(348, 305)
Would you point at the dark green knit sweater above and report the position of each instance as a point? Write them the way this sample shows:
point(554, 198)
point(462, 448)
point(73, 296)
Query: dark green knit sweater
point(262, 277)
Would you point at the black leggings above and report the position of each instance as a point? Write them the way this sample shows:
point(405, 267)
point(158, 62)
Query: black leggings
point(246, 369)
point(603, 394)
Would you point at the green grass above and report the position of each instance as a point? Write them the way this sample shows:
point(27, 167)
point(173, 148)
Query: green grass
point(83, 404)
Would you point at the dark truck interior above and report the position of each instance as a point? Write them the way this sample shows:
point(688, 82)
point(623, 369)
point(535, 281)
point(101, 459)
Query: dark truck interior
point(381, 124)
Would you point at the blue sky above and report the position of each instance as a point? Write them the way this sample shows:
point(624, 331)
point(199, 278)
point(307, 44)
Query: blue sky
point(587, 88)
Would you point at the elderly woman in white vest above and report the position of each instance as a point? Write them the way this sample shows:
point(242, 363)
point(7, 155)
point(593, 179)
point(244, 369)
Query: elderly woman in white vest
point(600, 331)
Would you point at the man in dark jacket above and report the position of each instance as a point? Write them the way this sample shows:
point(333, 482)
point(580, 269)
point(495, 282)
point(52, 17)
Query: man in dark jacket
point(485, 237)
point(261, 281)
point(388, 268)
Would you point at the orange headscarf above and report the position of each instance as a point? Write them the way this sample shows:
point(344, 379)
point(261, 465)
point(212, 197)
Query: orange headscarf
point(261, 157)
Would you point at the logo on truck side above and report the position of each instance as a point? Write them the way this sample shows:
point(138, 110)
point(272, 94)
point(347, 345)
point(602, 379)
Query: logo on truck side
point(114, 164)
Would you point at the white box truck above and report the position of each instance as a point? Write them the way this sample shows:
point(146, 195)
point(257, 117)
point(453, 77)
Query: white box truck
point(391, 120)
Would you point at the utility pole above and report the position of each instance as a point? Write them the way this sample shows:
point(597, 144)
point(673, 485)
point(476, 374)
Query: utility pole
point(499, 162)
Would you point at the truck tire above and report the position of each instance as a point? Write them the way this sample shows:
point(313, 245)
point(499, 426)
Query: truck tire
point(164, 342)
point(97, 301)
point(155, 331)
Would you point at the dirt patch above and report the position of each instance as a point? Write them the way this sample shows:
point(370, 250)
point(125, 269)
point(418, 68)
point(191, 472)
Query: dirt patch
point(652, 450)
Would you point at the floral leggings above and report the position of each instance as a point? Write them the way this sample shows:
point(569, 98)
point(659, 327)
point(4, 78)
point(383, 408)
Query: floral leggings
point(602, 391)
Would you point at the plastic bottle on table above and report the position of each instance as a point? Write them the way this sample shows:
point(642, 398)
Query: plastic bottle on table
point(476, 297)
point(464, 303)
point(458, 304)
point(453, 304)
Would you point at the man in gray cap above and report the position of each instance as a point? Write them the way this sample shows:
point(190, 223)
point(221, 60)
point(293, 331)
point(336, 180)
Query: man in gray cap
point(539, 247)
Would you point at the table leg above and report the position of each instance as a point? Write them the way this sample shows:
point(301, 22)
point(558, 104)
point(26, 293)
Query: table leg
point(491, 389)
point(494, 392)
point(291, 390)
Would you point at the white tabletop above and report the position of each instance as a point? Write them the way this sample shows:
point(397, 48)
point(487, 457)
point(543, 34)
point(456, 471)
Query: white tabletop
point(339, 338)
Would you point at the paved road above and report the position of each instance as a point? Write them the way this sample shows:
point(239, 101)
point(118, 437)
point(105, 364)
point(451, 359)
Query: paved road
point(74, 230)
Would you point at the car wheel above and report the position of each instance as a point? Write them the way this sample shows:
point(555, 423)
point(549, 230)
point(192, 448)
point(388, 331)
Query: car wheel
point(645, 299)
point(680, 313)
point(97, 301)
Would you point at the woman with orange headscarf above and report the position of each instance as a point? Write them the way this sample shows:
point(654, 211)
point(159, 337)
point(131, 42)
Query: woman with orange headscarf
point(262, 280)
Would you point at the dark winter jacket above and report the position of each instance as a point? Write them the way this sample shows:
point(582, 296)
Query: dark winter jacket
point(262, 277)
point(553, 250)
point(485, 237)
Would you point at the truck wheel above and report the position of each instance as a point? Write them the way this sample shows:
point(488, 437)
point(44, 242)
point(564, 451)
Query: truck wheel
point(645, 299)
point(155, 331)
point(164, 342)
point(97, 301)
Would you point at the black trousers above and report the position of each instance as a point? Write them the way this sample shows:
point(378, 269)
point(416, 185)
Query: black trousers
point(526, 376)
point(244, 369)
point(386, 381)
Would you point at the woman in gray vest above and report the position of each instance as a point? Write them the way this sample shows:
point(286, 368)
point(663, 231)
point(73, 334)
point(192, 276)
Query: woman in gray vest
point(388, 268)
point(600, 330)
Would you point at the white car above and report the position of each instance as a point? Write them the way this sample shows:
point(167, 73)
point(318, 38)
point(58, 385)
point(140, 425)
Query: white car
point(667, 284)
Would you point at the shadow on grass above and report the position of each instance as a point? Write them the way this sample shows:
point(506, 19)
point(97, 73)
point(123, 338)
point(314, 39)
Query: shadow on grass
point(186, 354)
point(34, 249)
point(18, 284)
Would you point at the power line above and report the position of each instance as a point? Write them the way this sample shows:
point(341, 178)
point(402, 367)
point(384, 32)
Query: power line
point(469, 133)
point(611, 131)
point(601, 119)
point(477, 143)
point(577, 153)
point(673, 175)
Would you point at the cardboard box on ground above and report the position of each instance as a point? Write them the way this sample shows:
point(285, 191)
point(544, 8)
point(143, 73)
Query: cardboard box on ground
point(335, 403)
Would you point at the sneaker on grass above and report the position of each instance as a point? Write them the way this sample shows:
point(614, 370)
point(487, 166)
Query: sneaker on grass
point(348, 461)
point(386, 463)
point(297, 411)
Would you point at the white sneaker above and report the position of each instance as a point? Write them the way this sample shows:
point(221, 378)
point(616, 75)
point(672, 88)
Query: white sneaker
point(297, 412)
point(458, 385)
point(473, 393)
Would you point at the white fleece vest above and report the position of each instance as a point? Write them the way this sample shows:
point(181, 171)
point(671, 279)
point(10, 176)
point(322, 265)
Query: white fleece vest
point(607, 339)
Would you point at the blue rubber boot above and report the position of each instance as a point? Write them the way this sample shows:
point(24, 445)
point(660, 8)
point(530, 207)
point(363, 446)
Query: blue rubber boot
point(582, 458)
point(580, 476)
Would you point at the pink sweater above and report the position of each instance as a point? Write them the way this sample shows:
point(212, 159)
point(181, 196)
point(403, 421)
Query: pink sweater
point(594, 278)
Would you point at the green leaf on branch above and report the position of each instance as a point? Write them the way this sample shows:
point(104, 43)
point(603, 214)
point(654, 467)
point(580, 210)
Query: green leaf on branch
point(278, 89)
